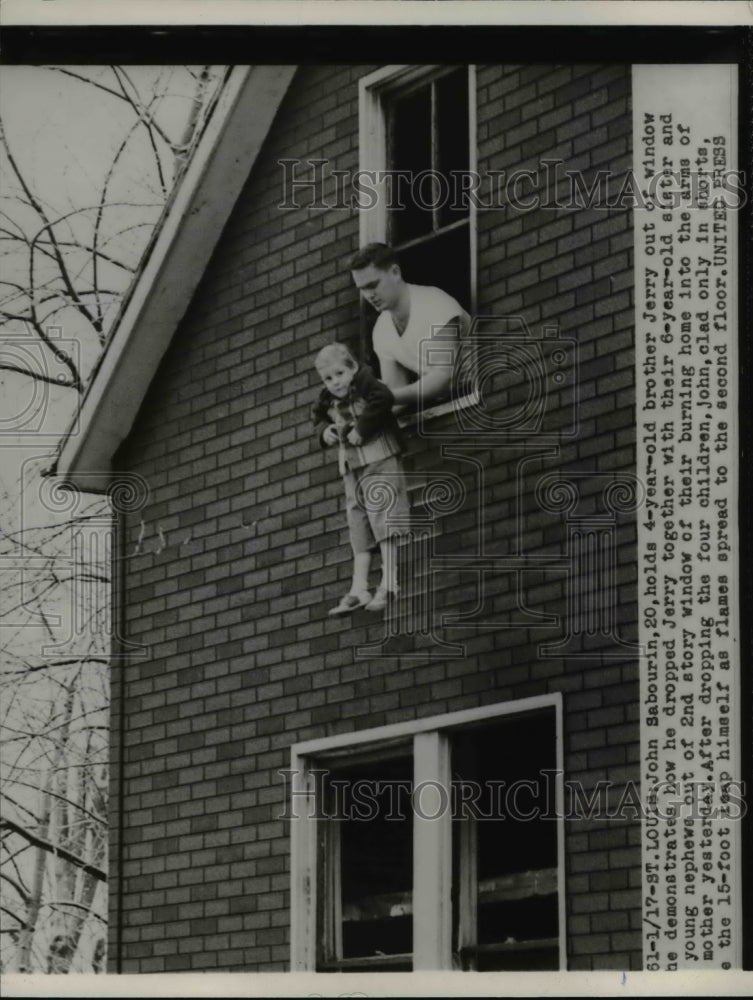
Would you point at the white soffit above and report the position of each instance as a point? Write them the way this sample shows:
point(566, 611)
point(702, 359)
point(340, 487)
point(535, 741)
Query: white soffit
point(186, 238)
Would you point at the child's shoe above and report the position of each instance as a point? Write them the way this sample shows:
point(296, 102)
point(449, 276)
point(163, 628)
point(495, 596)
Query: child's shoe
point(381, 599)
point(349, 603)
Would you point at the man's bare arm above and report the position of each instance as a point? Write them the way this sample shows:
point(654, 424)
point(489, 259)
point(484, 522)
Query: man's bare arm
point(437, 379)
point(392, 373)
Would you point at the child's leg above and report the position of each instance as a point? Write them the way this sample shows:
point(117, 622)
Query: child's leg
point(358, 596)
point(361, 567)
point(388, 548)
point(389, 516)
point(361, 539)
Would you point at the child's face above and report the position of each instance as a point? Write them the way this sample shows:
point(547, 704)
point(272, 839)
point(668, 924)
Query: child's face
point(337, 378)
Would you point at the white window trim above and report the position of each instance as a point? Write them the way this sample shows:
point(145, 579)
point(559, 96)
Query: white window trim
point(429, 412)
point(432, 860)
point(432, 839)
point(372, 152)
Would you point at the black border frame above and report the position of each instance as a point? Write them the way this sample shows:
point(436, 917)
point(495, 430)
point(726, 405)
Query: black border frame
point(352, 44)
point(349, 44)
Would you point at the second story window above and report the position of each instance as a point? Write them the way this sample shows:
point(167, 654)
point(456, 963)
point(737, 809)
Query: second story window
point(416, 132)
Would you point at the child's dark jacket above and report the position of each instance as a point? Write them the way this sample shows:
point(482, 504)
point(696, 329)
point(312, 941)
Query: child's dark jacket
point(368, 408)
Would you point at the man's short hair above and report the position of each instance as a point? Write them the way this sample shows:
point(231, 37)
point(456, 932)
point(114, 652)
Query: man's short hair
point(333, 354)
point(378, 254)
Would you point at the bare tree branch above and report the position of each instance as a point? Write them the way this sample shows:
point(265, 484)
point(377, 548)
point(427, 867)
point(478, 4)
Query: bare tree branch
point(21, 922)
point(75, 906)
point(34, 202)
point(23, 893)
point(55, 849)
point(27, 784)
point(63, 258)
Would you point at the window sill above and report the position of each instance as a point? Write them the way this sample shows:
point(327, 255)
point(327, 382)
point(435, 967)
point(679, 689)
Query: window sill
point(407, 421)
point(403, 961)
point(531, 944)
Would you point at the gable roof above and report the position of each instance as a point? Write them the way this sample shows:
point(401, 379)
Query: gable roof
point(186, 237)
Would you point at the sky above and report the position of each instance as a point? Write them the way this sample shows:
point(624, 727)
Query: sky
point(63, 134)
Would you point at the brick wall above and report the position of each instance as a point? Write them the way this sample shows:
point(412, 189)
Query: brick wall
point(573, 269)
point(242, 548)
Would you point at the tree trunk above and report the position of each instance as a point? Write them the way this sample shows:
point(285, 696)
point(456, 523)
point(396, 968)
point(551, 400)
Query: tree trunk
point(26, 936)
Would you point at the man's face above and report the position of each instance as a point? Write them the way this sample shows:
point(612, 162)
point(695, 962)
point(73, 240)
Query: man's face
point(381, 289)
point(337, 378)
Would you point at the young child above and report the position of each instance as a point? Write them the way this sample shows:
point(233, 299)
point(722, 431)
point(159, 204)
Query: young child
point(354, 412)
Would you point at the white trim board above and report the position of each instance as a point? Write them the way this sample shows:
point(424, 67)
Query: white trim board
point(449, 720)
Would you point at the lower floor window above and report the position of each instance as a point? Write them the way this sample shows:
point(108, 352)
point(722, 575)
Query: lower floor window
point(366, 864)
point(431, 845)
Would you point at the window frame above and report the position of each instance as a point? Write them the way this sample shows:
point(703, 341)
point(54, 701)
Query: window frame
point(386, 82)
point(428, 740)
point(389, 81)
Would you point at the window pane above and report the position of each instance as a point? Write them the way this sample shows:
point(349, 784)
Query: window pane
point(410, 151)
point(518, 753)
point(376, 859)
point(452, 137)
point(510, 843)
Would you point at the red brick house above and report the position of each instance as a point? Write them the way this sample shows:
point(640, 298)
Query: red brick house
point(244, 721)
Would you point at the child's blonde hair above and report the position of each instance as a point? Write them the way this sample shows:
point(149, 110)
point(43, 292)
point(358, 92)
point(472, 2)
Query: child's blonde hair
point(334, 354)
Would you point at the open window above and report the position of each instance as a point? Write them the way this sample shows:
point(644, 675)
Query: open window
point(428, 149)
point(417, 140)
point(432, 845)
point(505, 845)
point(366, 865)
